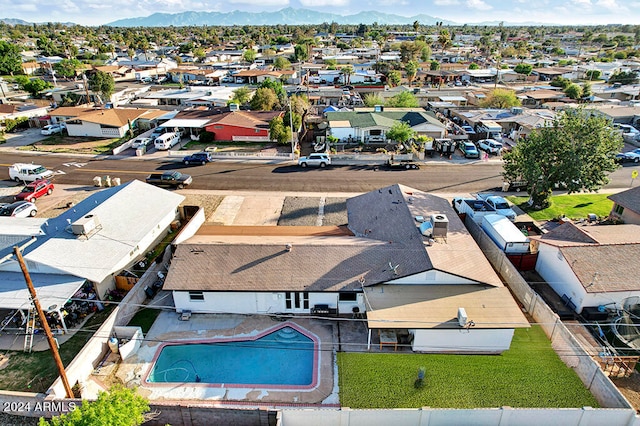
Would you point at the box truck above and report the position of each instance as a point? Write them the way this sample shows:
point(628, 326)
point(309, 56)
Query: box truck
point(505, 234)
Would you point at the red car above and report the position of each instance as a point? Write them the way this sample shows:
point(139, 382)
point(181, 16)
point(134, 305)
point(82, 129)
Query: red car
point(35, 190)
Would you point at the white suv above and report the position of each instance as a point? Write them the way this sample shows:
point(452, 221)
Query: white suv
point(321, 160)
point(490, 145)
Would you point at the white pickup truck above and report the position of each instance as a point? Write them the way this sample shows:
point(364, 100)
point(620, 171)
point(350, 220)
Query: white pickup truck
point(499, 204)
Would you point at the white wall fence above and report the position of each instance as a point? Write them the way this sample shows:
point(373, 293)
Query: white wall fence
point(228, 155)
point(445, 417)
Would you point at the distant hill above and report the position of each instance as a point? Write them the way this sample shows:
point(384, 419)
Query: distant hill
point(13, 21)
point(289, 16)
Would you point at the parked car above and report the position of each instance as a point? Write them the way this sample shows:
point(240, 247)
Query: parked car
point(468, 130)
point(142, 143)
point(315, 159)
point(198, 158)
point(52, 129)
point(35, 190)
point(166, 141)
point(490, 145)
point(627, 157)
point(19, 209)
point(627, 129)
point(170, 179)
point(27, 172)
point(469, 149)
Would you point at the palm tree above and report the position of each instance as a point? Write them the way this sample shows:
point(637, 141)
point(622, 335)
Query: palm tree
point(347, 72)
point(416, 26)
point(444, 38)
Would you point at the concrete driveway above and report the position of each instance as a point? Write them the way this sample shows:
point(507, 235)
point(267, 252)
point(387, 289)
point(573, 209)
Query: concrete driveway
point(23, 138)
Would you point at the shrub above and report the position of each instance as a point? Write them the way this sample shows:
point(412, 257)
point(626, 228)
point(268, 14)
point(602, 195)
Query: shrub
point(206, 137)
point(18, 123)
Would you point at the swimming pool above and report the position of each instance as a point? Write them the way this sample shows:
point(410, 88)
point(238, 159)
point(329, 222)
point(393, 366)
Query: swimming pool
point(283, 356)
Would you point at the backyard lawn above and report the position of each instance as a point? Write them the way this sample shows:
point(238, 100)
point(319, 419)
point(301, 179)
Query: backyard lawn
point(574, 206)
point(530, 374)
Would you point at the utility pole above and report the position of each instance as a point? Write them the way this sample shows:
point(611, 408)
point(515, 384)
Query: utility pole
point(52, 343)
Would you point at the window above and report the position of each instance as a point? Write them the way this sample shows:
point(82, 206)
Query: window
point(196, 296)
point(347, 297)
point(287, 299)
point(305, 300)
point(218, 127)
point(618, 209)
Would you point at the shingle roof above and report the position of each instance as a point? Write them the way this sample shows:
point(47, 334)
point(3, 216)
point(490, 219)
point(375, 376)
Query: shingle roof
point(604, 258)
point(363, 119)
point(629, 199)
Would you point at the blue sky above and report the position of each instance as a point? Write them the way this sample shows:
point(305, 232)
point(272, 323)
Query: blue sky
point(96, 12)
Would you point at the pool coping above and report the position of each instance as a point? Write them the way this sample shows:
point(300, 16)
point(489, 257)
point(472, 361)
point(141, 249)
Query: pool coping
point(307, 333)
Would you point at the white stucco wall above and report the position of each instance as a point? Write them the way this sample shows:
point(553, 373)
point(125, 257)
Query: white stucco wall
point(264, 302)
point(462, 340)
point(432, 277)
point(555, 270)
point(343, 132)
point(94, 130)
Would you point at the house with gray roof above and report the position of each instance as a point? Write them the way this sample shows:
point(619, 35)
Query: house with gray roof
point(591, 265)
point(626, 205)
point(371, 125)
point(405, 261)
point(86, 246)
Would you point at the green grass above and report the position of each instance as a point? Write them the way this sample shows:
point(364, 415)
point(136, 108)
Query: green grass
point(574, 206)
point(36, 371)
point(530, 374)
point(144, 319)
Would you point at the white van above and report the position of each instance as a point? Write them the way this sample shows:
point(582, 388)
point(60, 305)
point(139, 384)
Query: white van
point(166, 140)
point(28, 172)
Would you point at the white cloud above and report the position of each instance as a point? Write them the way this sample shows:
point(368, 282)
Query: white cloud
point(478, 5)
point(445, 2)
point(258, 3)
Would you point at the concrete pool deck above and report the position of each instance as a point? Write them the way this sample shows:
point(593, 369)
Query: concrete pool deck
point(168, 328)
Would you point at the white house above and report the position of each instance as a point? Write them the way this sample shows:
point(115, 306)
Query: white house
point(102, 123)
point(405, 260)
point(86, 246)
point(591, 265)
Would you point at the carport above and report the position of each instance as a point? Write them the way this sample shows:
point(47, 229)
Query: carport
point(53, 291)
point(187, 123)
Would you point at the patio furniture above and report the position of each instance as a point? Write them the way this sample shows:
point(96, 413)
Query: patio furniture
point(388, 337)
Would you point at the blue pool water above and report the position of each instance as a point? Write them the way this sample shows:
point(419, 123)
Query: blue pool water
point(285, 357)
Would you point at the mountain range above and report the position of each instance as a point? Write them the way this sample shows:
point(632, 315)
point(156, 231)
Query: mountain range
point(287, 16)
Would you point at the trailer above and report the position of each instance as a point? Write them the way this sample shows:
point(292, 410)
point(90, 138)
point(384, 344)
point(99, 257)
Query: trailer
point(505, 234)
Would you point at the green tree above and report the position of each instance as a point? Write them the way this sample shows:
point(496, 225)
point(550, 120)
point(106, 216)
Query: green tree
point(279, 132)
point(10, 60)
point(474, 66)
point(301, 52)
point(394, 78)
point(241, 96)
point(560, 82)
point(434, 66)
point(35, 86)
point(299, 104)
point(587, 91)
point(623, 77)
point(103, 83)
point(501, 98)
point(411, 68)
point(372, 99)
point(277, 87)
point(400, 132)
point(577, 151)
point(573, 91)
point(264, 99)
point(67, 67)
point(593, 74)
point(405, 99)
point(118, 407)
point(444, 39)
point(281, 63)
point(347, 72)
point(523, 68)
point(249, 55)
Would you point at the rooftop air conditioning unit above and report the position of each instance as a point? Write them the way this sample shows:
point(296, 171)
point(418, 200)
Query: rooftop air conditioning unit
point(516, 110)
point(85, 225)
point(440, 225)
point(378, 108)
point(234, 107)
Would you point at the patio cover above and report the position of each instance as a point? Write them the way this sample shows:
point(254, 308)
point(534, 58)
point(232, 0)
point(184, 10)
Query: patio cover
point(51, 289)
point(196, 123)
point(452, 98)
point(436, 306)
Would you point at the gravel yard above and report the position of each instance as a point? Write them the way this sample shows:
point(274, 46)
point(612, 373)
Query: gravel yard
point(207, 201)
point(299, 211)
point(335, 212)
